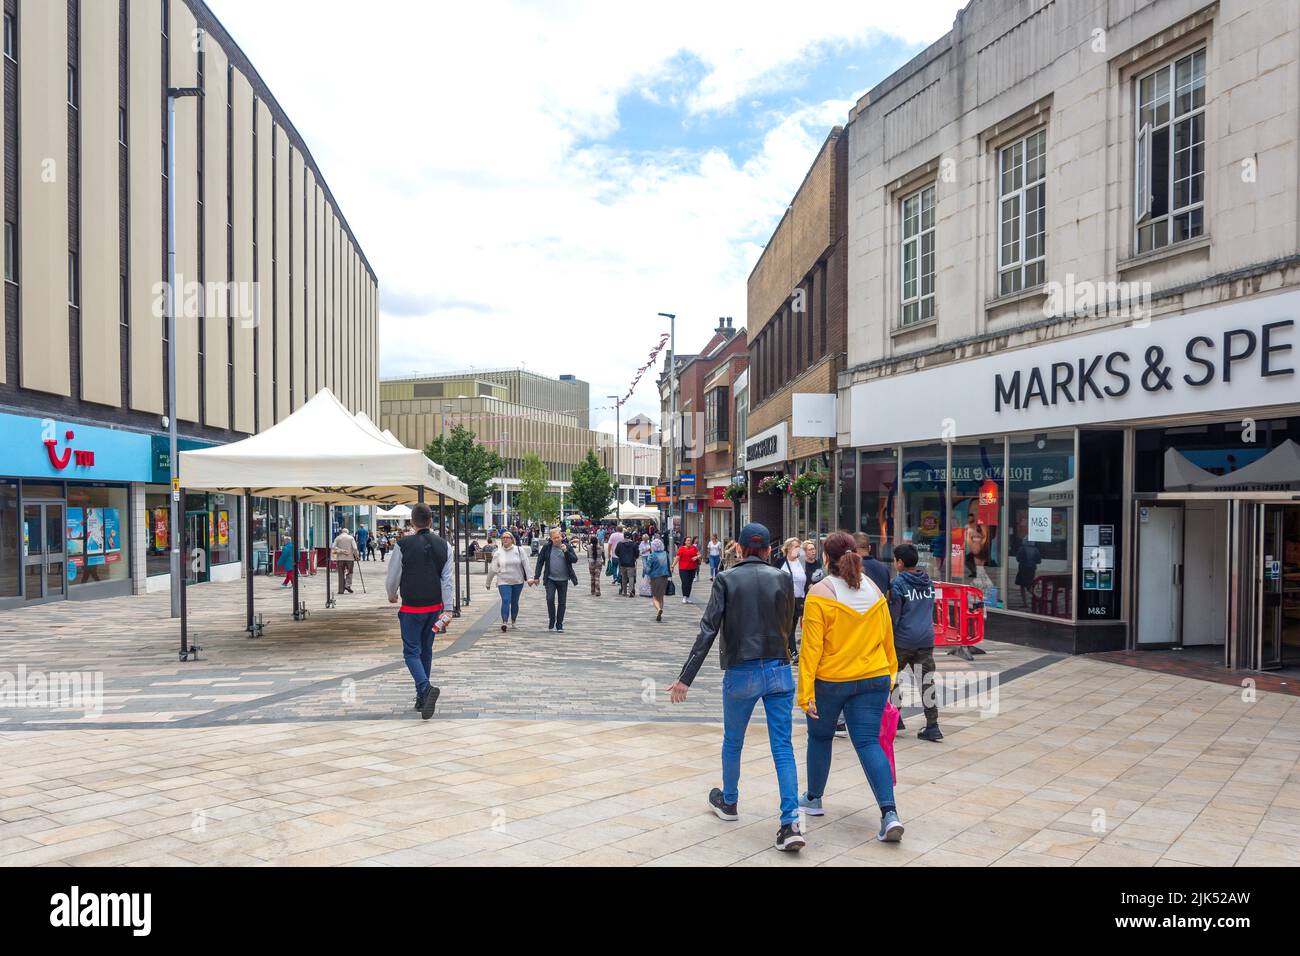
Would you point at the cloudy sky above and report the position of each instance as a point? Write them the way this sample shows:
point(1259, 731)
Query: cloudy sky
point(533, 182)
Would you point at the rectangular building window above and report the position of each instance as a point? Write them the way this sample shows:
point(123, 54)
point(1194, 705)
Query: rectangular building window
point(11, 253)
point(716, 409)
point(1169, 191)
point(1022, 191)
point(72, 86)
point(918, 257)
point(11, 38)
point(73, 284)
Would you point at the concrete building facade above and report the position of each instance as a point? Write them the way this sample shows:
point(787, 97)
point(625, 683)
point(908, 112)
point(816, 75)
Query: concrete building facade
point(275, 298)
point(1073, 287)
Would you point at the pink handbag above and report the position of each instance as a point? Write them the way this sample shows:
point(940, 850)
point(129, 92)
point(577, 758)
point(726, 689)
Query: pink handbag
point(888, 730)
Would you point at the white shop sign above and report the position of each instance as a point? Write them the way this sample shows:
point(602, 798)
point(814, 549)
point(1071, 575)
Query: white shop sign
point(812, 415)
point(1238, 356)
point(766, 448)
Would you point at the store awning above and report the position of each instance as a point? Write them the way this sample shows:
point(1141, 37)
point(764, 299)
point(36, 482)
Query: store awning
point(321, 454)
point(633, 513)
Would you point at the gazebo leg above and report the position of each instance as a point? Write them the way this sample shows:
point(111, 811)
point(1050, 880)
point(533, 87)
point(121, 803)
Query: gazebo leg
point(299, 612)
point(253, 627)
point(329, 553)
point(455, 556)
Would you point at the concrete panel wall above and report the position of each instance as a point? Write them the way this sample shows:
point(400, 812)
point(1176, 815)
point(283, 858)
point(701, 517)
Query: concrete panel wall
point(184, 66)
point(145, 237)
point(101, 306)
point(216, 263)
point(43, 177)
point(265, 299)
point(297, 261)
point(282, 257)
point(242, 246)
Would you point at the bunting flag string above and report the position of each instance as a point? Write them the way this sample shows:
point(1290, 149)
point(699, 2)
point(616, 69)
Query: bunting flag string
point(654, 354)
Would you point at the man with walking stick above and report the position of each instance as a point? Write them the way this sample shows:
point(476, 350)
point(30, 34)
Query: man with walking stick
point(420, 577)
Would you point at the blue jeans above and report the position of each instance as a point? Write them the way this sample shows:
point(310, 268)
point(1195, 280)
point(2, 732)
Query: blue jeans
point(863, 704)
point(509, 601)
point(417, 646)
point(713, 565)
point(743, 685)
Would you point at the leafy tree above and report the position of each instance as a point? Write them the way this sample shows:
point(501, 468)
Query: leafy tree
point(534, 499)
point(592, 489)
point(462, 455)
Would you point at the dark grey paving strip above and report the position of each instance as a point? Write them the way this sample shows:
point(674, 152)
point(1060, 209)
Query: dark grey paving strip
point(214, 719)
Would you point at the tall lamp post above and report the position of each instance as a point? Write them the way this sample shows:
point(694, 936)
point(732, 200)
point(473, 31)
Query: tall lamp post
point(674, 491)
point(173, 94)
point(618, 464)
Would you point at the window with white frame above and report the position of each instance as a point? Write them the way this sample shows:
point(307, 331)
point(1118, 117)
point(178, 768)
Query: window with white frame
point(1169, 193)
point(918, 256)
point(1022, 202)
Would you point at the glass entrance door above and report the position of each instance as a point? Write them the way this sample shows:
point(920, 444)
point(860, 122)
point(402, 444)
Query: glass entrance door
point(196, 537)
point(1280, 620)
point(45, 567)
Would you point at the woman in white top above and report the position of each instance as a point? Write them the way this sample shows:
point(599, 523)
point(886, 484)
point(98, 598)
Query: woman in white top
point(715, 556)
point(509, 571)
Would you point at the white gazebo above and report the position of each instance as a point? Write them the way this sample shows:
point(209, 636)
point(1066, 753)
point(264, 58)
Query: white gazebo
point(320, 454)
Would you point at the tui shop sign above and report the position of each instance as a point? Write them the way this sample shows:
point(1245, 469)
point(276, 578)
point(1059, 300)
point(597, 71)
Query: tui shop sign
point(1243, 355)
point(161, 455)
point(66, 451)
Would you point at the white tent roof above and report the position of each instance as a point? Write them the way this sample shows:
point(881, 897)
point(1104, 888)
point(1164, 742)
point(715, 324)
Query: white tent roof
point(1184, 475)
point(1279, 470)
point(321, 453)
point(633, 513)
point(396, 513)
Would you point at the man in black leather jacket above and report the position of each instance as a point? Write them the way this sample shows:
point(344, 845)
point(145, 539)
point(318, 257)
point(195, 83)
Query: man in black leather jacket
point(752, 608)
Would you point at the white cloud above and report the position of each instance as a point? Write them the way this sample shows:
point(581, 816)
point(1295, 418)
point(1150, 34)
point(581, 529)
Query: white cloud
point(453, 137)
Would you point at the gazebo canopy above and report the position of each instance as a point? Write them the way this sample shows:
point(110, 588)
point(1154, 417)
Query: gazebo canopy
point(322, 453)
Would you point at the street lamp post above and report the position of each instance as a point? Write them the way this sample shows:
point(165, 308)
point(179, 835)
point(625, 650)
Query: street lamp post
point(618, 500)
point(173, 94)
point(674, 491)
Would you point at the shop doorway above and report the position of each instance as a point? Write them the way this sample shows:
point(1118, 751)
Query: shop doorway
point(197, 525)
point(1182, 576)
point(1280, 623)
point(45, 563)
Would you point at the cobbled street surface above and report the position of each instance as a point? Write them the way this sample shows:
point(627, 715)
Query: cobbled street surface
point(301, 747)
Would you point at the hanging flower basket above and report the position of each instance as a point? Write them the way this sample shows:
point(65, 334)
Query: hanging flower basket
point(736, 492)
point(808, 484)
point(774, 485)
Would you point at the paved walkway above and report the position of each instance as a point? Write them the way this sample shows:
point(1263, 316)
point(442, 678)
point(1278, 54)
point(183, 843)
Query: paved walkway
point(299, 748)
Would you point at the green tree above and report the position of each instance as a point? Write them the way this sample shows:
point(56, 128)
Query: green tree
point(535, 501)
point(592, 489)
point(462, 455)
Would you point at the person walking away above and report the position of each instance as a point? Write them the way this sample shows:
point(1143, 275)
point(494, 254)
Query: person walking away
point(509, 572)
point(659, 573)
point(420, 577)
point(285, 562)
point(643, 551)
point(595, 562)
point(626, 553)
point(370, 548)
point(363, 542)
point(715, 556)
point(688, 567)
point(911, 605)
point(875, 569)
point(751, 608)
point(558, 558)
point(847, 666)
point(344, 550)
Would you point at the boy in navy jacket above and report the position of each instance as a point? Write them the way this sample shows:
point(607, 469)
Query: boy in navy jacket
point(911, 605)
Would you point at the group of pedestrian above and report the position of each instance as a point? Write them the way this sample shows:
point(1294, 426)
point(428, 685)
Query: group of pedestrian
point(859, 628)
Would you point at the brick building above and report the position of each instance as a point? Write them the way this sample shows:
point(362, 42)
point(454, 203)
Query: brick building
point(703, 451)
point(797, 328)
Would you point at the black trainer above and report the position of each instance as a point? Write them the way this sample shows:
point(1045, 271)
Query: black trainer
point(841, 729)
point(931, 733)
point(789, 838)
point(430, 701)
point(721, 809)
point(418, 702)
point(901, 725)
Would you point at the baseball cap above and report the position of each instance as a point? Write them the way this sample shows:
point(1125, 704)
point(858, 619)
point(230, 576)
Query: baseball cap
point(755, 535)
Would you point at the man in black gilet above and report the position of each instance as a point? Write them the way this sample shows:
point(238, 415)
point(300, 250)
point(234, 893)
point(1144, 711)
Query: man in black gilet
point(421, 572)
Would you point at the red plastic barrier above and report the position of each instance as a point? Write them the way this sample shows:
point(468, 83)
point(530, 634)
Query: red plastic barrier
point(958, 615)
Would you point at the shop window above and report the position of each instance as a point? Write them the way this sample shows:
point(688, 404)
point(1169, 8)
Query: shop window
point(877, 493)
point(157, 530)
point(977, 519)
point(1040, 515)
point(1101, 523)
point(97, 535)
point(10, 572)
point(1169, 165)
point(925, 471)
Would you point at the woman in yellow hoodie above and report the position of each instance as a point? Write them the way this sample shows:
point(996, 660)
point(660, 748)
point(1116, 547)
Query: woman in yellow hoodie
point(847, 665)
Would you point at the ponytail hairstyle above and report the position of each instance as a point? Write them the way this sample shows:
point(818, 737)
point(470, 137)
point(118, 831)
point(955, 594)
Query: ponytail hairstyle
point(842, 560)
